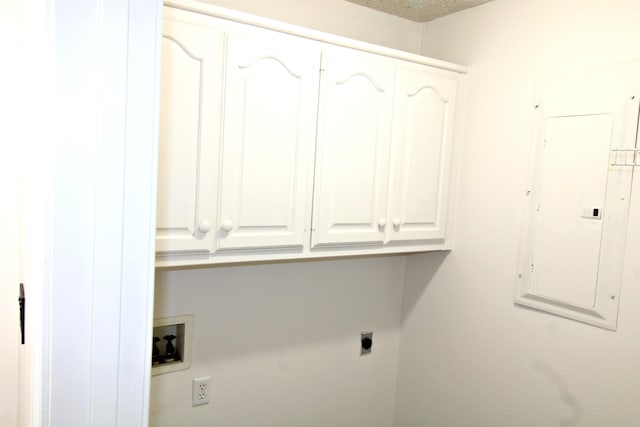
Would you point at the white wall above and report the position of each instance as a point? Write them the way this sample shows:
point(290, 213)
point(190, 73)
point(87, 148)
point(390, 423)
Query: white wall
point(281, 343)
point(468, 356)
point(336, 17)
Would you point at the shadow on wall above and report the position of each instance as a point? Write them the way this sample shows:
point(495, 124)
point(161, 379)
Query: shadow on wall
point(563, 390)
point(420, 270)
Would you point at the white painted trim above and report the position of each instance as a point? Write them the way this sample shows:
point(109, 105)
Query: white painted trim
point(245, 18)
point(36, 207)
point(455, 173)
point(140, 189)
point(191, 259)
point(11, 33)
point(90, 133)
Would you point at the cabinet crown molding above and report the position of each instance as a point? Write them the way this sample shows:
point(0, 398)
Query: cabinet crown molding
point(332, 39)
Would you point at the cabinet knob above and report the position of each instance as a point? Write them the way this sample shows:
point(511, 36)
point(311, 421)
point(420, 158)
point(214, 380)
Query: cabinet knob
point(396, 222)
point(204, 227)
point(227, 226)
point(382, 222)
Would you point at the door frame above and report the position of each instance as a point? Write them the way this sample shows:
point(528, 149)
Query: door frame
point(10, 87)
point(89, 208)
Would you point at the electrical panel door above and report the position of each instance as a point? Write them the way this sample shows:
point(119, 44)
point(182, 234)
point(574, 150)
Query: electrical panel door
point(574, 237)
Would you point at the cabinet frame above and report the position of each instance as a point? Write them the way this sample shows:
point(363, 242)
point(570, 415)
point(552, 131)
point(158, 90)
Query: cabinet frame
point(228, 22)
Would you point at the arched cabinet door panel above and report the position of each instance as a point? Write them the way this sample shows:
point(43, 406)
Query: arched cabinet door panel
point(424, 113)
point(352, 154)
point(270, 106)
point(190, 85)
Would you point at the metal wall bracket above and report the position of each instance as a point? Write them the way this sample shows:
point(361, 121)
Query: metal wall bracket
point(625, 157)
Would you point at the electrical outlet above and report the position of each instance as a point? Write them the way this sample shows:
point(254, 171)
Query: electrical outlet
point(200, 391)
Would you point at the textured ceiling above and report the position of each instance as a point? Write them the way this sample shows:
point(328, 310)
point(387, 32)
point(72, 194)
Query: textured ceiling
point(419, 10)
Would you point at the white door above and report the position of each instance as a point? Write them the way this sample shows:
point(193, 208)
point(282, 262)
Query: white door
point(189, 129)
point(353, 148)
point(268, 139)
point(421, 152)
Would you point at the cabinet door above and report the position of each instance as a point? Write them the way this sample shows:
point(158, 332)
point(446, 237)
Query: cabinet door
point(190, 86)
point(353, 148)
point(269, 130)
point(421, 151)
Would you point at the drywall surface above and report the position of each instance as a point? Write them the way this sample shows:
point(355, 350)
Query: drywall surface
point(468, 356)
point(336, 17)
point(281, 343)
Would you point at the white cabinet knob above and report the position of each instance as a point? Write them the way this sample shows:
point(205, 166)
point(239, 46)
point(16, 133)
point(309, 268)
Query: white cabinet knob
point(227, 226)
point(382, 222)
point(204, 227)
point(396, 222)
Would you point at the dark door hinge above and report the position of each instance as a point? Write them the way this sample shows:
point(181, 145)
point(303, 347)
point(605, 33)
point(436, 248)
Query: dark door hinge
point(22, 303)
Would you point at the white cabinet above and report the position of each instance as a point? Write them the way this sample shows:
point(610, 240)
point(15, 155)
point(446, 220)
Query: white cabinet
point(377, 182)
point(353, 148)
point(238, 114)
point(423, 122)
point(287, 144)
point(270, 103)
point(191, 66)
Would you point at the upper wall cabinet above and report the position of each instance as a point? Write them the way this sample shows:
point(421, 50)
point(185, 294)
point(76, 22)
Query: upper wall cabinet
point(268, 137)
point(421, 153)
point(279, 142)
point(384, 147)
point(187, 169)
point(354, 130)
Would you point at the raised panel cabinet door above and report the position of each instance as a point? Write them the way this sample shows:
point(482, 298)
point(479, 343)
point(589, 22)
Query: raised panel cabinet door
point(190, 87)
point(421, 154)
point(352, 154)
point(270, 107)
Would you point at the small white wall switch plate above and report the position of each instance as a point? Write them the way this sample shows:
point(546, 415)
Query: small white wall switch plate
point(200, 391)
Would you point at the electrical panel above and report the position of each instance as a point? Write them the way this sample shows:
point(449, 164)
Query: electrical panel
point(575, 227)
